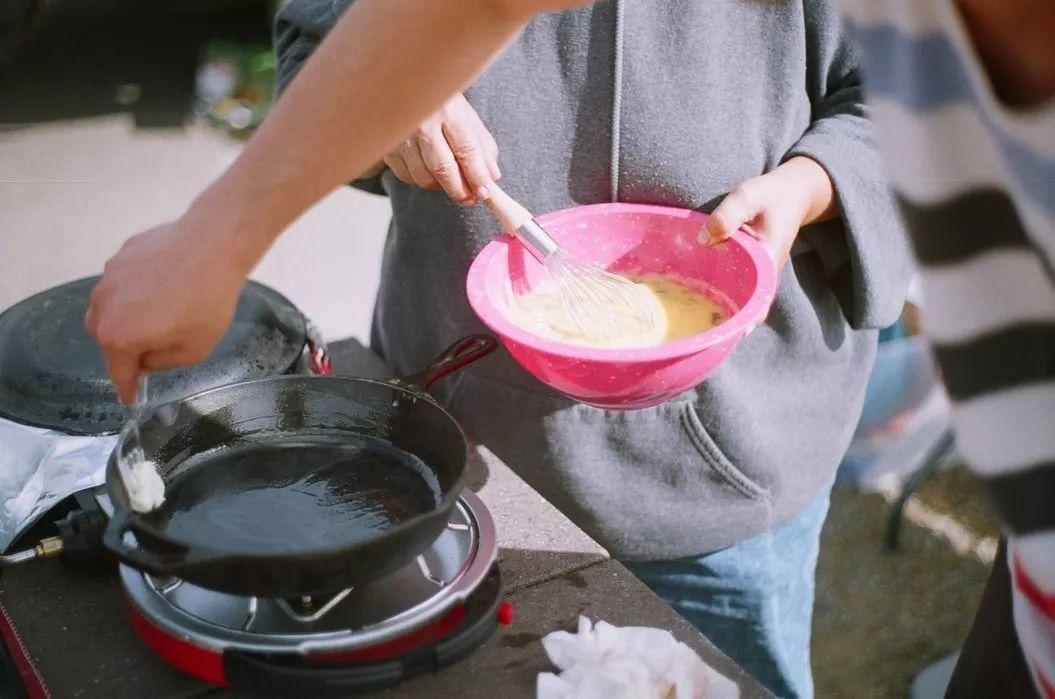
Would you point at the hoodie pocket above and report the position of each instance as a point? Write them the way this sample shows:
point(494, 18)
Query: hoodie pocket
point(675, 429)
point(646, 484)
point(713, 456)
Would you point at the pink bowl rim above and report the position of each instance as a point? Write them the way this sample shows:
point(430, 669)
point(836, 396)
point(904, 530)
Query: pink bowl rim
point(750, 315)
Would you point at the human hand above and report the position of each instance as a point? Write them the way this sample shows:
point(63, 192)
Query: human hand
point(774, 206)
point(452, 150)
point(165, 300)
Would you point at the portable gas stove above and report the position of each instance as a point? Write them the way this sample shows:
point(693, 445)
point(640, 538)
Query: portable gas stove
point(425, 616)
point(421, 618)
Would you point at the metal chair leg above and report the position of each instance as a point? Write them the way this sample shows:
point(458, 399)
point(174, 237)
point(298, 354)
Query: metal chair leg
point(930, 464)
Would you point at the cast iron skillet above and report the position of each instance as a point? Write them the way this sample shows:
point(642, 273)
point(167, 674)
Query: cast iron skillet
point(296, 485)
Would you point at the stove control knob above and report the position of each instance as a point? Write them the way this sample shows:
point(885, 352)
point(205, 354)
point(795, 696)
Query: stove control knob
point(506, 612)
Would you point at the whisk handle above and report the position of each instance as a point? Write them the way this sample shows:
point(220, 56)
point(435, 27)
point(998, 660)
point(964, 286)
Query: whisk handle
point(537, 240)
point(519, 222)
point(510, 212)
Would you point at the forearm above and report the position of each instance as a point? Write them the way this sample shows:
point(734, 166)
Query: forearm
point(353, 100)
point(373, 171)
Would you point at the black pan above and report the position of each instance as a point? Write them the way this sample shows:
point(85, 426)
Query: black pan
point(296, 485)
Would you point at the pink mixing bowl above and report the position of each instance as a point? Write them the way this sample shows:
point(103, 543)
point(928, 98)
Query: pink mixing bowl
point(637, 239)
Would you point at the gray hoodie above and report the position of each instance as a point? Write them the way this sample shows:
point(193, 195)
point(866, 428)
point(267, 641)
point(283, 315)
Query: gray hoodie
point(671, 102)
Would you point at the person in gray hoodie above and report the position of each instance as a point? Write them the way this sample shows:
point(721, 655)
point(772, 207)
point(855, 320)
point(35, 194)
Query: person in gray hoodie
point(715, 498)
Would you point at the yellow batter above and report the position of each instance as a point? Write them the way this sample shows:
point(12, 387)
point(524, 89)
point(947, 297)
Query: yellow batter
point(680, 313)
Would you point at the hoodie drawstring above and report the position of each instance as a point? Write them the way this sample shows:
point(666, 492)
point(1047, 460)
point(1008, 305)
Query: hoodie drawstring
point(617, 99)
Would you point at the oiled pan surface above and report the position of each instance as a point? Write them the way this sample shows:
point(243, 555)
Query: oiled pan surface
point(286, 494)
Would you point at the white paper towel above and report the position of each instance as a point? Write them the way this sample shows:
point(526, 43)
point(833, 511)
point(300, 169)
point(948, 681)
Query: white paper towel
point(608, 662)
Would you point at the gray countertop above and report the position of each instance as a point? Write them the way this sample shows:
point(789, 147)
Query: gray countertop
point(73, 624)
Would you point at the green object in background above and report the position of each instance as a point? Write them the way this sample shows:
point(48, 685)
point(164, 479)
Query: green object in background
point(235, 85)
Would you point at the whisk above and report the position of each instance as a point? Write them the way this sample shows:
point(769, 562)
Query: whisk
point(599, 304)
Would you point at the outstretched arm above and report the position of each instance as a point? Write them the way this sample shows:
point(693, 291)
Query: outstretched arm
point(167, 297)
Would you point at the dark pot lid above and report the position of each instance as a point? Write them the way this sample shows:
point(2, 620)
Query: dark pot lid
point(52, 373)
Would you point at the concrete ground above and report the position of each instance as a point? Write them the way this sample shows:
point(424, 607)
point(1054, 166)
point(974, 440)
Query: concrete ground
point(79, 172)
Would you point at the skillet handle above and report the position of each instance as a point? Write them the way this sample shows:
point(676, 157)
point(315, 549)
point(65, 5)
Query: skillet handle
point(463, 352)
point(156, 562)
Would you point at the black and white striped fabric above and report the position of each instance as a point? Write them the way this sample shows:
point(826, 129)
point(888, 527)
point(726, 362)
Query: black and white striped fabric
point(976, 183)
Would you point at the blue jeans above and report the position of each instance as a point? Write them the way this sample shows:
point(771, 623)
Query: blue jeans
point(754, 600)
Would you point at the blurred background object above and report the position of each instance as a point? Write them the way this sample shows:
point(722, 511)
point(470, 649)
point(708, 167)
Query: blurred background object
point(909, 540)
point(234, 85)
point(18, 20)
point(99, 47)
point(906, 415)
point(111, 120)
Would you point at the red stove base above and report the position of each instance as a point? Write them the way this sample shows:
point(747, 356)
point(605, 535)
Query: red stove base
point(197, 662)
point(208, 665)
point(452, 637)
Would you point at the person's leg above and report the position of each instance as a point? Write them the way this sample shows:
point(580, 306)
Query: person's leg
point(754, 600)
point(991, 663)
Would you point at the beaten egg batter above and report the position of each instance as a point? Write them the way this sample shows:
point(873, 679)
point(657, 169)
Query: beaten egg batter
point(680, 312)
